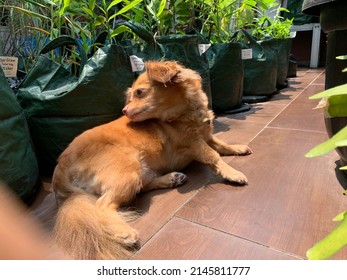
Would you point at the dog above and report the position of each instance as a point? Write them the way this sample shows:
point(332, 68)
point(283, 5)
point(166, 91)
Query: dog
point(166, 125)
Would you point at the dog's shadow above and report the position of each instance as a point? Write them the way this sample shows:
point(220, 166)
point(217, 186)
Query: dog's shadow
point(198, 176)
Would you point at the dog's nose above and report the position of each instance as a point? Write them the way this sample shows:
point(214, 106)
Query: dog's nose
point(124, 110)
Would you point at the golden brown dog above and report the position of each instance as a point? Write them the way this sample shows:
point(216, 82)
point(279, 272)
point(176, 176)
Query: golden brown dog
point(167, 125)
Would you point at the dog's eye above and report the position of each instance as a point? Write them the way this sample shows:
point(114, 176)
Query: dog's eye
point(139, 92)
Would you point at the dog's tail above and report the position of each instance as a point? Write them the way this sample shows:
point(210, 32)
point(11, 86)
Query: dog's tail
point(84, 231)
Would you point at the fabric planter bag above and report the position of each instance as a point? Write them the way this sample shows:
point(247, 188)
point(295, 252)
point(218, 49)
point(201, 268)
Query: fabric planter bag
point(226, 75)
point(18, 163)
point(283, 53)
point(260, 71)
point(59, 106)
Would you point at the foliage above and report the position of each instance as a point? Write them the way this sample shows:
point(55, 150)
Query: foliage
point(255, 15)
point(217, 20)
point(167, 17)
point(333, 242)
point(216, 17)
point(334, 103)
point(85, 20)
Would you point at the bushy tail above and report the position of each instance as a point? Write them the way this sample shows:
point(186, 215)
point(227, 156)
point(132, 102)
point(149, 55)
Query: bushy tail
point(84, 231)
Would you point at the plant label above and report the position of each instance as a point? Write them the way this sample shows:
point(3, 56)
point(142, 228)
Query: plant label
point(137, 63)
point(9, 65)
point(247, 54)
point(203, 48)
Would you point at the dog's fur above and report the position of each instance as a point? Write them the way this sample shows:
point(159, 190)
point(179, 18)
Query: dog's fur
point(167, 125)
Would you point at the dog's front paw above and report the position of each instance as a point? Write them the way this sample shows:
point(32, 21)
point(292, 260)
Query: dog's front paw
point(237, 177)
point(177, 179)
point(242, 150)
point(130, 238)
point(231, 174)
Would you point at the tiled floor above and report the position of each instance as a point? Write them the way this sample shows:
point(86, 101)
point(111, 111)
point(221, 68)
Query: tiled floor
point(287, 207)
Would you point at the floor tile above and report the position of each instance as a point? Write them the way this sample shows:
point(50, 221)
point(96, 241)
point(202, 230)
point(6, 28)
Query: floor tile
point(180, 239)
point(289, 202)
point(300, 114)
point(158, 207)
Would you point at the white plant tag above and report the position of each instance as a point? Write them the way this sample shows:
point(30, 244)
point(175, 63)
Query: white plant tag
point(137, 63)
point(9, 65)
point(292, 34)
point(203, 48)
point(247, 54)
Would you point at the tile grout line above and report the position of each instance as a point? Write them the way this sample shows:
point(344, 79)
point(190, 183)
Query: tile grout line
point(295, 129)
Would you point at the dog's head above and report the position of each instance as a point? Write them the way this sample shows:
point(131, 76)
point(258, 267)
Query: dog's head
point(165, 91)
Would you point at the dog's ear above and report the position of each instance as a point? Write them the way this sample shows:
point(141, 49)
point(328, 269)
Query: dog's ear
point(162, 72)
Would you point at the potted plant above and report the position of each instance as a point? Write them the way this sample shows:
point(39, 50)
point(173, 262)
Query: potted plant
point(277, 28)
point(173, 25)
point(261, 34)
point(66, 92)
point(334, 103)
point(224, 55)
point(335, 116)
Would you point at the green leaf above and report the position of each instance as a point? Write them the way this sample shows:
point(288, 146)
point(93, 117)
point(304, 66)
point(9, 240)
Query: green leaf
point(342, 57)
point(119, 30)
point(342, 143)
point(88, 11)
point(65, 6)
point(128, 7)
point(342, 89)
point(161, 7)
point(337, 106)
point(113, 3)
point(328, 145)
point(92, 4)
point(35, 4)
point(281, 9)
point(332, 243)
point(340, 217)
point(29, 13)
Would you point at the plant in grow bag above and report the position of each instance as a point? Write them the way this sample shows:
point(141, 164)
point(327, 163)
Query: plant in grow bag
point(263, 18)
point(84, 20)
point(334, 103)
point(216, 17)
point(164, 17)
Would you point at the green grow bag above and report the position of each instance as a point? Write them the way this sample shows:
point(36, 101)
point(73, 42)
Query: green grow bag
point(59, 106)
point(283, 53)
point(18, 163)
point(226, 74)
point(260, 72)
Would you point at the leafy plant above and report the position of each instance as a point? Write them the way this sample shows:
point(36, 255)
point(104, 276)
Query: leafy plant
point(334, 103)
point(254, 15)
point(85, 20)
point(216, 17)
point(333, 242)
point(163, 17)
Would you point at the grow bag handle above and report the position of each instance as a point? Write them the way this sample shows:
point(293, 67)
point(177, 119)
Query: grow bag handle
point(65, 40)
point(137, 29)
point(141, 32)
